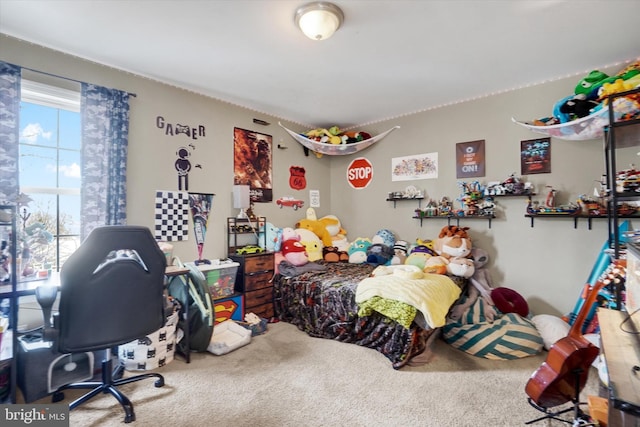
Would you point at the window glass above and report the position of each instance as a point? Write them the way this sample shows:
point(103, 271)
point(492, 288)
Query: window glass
point(49, 165)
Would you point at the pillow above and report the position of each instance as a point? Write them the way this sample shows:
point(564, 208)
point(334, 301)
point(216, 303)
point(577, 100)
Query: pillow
point(509, 301)
point(551, 328)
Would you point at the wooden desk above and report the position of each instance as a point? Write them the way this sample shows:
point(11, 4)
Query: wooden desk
point(28, 287)
point(622, 354)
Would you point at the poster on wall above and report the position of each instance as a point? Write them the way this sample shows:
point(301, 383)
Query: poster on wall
point(252, 163)
point(200, 206)
point(470, 159)
point(535, 156)
point(419, 166)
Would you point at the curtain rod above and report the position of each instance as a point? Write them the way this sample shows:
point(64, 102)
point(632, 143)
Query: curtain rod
point(65, 78)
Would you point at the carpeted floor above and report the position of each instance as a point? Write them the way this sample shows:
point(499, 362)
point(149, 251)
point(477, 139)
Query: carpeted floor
point(286, 378)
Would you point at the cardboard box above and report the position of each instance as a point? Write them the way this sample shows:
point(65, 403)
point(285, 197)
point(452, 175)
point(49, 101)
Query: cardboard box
point(221, 278)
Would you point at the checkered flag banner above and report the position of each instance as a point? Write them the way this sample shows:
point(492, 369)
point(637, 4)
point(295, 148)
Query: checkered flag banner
point(171, 215)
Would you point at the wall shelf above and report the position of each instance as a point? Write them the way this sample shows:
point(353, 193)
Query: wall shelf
point(405, 199)
point(456, 218)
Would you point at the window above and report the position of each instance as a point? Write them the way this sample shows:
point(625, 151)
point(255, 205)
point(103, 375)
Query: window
point(49, 168)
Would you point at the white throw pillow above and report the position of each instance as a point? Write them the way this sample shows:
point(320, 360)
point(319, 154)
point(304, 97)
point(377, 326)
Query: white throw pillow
point(551, 328)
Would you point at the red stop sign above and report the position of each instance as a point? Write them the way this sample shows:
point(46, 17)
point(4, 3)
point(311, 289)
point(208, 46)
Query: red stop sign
point(360, 173)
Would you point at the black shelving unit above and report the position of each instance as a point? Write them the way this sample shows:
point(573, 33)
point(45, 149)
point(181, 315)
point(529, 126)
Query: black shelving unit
point(618, 135)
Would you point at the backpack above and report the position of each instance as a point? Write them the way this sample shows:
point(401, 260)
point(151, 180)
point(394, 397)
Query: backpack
point(201, 314)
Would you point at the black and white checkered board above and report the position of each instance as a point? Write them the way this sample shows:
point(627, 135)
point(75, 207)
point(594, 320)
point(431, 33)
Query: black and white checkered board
point(172, 215)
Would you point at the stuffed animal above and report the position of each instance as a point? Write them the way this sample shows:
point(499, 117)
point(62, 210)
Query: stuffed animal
point(461, 267)
point(317, 228)
point(379, 254)
point(332, 254)
point(399, 252)
point(453, 242)
point(481, 279)
point(289, 233)
point(358, 250)
point(419, 256)
point(273, 237)
point(436, 265)
point(578, 107)
point(311, 242)
point(294, 252)
point(338, 234)
point(385, 237)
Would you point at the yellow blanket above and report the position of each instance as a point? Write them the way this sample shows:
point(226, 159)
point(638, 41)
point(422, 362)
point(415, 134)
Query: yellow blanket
point(432, 295)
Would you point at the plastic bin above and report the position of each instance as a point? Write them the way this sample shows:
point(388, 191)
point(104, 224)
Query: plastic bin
point(220, 278)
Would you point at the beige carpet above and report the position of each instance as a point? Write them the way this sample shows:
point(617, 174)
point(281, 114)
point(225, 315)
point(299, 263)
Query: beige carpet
point(286, 378)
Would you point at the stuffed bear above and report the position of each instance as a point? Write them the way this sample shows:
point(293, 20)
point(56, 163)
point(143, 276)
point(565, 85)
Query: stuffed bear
point(333, 254)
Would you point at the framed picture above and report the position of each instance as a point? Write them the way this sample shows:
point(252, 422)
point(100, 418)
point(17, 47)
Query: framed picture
point(535, 156)
point(419, 166)
point(470, 159)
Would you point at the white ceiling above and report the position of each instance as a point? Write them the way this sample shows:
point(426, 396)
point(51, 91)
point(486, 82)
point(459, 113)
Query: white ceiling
point(389, 59)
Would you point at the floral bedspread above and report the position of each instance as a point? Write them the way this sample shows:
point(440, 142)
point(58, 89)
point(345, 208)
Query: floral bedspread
point(322, 304)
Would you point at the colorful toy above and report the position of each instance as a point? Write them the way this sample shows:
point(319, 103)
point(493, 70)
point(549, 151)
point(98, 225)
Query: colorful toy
point(399, 252)
point(461, 267)
point(379, 254)
point(419, 256)
point(311, 242)
point(294, 252)
point(453, 242)
point(317, 228)
point(436, 265)
point(358, 250)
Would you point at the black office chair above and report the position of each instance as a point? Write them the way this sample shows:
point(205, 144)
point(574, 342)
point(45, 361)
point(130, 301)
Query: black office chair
point(111, 293)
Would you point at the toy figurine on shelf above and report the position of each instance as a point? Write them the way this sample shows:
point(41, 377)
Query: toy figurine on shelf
point(445, 207)
point(472, 195)
point(549, 207)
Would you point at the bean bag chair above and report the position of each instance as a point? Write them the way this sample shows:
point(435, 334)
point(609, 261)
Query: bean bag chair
point(509, 336)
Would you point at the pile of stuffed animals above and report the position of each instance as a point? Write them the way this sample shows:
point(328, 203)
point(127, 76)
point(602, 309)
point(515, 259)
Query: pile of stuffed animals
point(315, 239)
point(591, 93)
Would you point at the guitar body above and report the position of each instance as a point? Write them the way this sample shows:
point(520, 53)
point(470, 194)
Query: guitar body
point(554, 382)
point(564, 373)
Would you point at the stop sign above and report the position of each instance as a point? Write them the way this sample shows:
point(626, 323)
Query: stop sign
point(360, 173)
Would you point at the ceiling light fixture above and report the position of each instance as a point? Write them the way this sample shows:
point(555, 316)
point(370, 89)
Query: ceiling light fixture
point(319, 20)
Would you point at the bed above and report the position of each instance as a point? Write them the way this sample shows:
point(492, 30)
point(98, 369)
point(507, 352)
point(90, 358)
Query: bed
point(323, 304)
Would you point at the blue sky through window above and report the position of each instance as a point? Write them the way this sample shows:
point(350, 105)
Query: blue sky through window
point(50, 160)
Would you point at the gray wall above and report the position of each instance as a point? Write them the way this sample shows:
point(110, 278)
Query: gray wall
point(548, 263)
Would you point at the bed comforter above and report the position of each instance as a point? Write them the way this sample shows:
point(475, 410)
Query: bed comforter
point(323, 304)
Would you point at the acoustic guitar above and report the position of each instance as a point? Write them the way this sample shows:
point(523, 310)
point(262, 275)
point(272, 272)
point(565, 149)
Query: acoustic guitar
point(564, 373)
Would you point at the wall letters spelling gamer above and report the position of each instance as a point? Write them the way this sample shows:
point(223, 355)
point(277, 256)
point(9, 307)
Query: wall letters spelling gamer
point(177, 129)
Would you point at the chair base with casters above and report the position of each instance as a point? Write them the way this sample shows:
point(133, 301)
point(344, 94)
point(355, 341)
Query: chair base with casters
point(111, 380)
point(122, 263)
point(580, 418)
